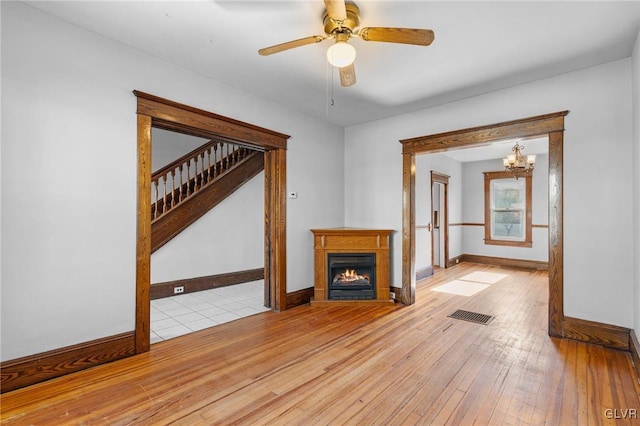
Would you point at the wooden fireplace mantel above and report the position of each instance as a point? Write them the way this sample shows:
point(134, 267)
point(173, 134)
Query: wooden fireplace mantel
point(351, 240)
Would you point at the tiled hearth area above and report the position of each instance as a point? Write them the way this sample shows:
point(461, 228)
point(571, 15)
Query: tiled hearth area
point(186, 313)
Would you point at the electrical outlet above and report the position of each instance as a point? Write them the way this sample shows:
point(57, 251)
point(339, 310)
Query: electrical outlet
point(178, 290)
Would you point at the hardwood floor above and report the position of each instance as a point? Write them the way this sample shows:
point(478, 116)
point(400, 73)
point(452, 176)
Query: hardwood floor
point(358, 365)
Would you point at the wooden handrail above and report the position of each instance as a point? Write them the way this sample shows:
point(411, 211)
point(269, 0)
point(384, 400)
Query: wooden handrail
point(180, 179)
point(190, 155)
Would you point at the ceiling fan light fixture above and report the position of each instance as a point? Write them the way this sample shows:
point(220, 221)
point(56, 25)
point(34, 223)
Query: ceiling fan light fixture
point(341, 54)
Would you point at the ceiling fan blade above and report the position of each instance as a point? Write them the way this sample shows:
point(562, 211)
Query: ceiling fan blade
point(348, 75)
point(336, 9)
point(290, 45)
point(397, 35)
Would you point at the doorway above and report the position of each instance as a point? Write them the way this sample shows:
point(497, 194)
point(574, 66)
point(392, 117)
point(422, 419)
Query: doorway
point(551, 125)
point(153, 111)
point(439, 221)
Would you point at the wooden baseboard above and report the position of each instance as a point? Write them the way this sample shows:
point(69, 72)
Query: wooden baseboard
point(37, 368)
point(503, 261)
point(424, 273)
point(191, 285)
point(611, 336)
point(634, 348)
point(300, 297)
point(455, 260)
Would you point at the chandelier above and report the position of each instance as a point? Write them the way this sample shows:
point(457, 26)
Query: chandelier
point(516, 164)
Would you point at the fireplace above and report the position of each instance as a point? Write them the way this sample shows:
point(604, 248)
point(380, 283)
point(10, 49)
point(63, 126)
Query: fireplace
point(352, 276)
point(351, 266)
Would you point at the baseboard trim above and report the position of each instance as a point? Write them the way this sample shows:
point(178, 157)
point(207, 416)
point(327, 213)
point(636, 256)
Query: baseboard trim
point(634, 348)
point(455, 260)
point(507, 262)
point(611, 336)
point(300, 297)
point(424, 273)
point(191, 285)
point(26, 371)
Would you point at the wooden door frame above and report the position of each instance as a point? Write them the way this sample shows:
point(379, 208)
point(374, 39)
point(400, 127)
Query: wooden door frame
point(153, 111)
point(551, 125)
point(444, 215)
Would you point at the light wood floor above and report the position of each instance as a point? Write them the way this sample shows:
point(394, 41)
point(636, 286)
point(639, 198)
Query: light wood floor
point(364, 365)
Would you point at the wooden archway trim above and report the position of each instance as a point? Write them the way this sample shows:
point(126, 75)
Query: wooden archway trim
point(551, 125)
point(157, 112)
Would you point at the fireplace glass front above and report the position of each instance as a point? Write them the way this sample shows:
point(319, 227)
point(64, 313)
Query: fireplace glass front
point(352, 276)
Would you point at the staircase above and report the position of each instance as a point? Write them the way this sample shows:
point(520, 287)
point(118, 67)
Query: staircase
point(186, 189)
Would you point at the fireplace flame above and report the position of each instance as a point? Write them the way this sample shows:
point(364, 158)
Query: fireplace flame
point(350, 275)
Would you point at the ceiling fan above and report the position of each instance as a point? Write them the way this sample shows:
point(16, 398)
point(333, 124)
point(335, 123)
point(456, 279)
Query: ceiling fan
point(341, 21)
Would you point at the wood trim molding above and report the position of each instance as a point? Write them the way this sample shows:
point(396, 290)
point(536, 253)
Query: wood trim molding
point(439, 177)
point(182, 118)
point(299, 298)
point(506, 262)
point(488, 176)
point(455, 260)
point(165, 289)
point(37, 368)
point(408, 293)
point(154, 111)
point(275, 256)
point(556, 245)
point(598, 333)
point(532, 126)
point(634, 348)
point(143, 240)
point(549, 124)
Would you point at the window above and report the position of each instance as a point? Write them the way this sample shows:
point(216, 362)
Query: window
point(507, 209)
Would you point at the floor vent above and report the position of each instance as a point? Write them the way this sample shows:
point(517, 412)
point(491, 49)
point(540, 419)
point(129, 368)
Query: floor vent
point(471, 317)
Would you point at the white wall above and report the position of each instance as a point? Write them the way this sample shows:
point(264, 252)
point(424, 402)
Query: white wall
point(228, 238)
point(69, 177)
point(473, 211)
point(598, 268)
point(636, 181)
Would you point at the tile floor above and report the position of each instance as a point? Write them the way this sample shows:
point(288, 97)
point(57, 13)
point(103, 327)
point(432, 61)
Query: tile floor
point(185, 313)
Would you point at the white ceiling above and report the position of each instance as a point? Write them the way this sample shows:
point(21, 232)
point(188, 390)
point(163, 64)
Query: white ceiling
point(479, 47)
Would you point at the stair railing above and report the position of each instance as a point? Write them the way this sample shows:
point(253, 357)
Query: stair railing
point(184, 177)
